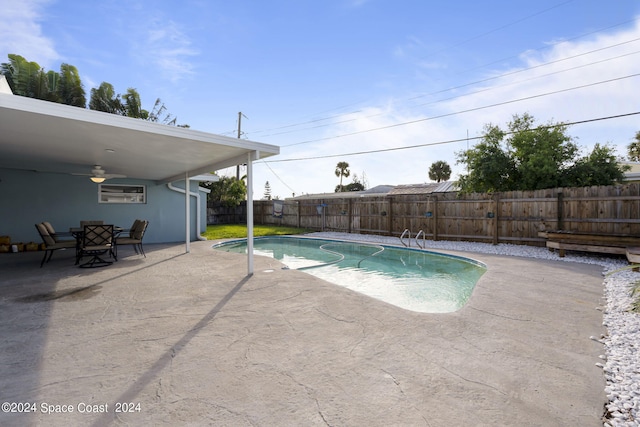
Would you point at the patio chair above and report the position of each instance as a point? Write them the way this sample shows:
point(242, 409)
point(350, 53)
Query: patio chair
point(135, 237)
point(50, 245)
point(57, 236)
point(97, 240)
point(91, 222)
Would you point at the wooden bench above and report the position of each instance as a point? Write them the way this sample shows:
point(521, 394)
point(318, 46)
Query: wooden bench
point(618, 244)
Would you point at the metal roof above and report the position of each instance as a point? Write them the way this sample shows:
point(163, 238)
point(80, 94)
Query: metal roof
point(434, 187)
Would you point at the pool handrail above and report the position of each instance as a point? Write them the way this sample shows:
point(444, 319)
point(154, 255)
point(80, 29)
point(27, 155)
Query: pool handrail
point(406, 230)
point(424, 238)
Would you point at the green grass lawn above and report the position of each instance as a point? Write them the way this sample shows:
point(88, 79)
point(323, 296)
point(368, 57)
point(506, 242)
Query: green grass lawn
point(231, 231)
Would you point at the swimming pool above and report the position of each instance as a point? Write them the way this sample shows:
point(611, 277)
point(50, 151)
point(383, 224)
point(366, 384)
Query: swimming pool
point(416, 280)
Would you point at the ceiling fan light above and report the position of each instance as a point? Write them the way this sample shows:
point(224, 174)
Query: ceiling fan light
point(97, 179)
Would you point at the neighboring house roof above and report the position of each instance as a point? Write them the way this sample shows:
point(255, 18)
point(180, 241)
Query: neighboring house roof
point(380, 190)
point(45, 136)
point(387, 190)
point(434, 187)
point(632, 174)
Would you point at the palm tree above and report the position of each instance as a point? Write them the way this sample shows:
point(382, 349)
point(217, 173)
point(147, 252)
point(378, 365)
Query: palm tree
point(342, 170)
point(440, 171)
point(633, 149)
point(133, 105)
point(25, 78)
point(70, 88)
point(105, 99)
point(29, 79)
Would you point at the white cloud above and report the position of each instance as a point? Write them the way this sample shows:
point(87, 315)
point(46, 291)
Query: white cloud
point(598, 94)
point(169, 48)
point(21, 33)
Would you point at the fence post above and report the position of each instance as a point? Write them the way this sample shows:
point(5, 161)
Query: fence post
point(496, 199)
point(434, 216)
point(298, 213)
point(560, 210)
point(390, 216)
point(349, 216)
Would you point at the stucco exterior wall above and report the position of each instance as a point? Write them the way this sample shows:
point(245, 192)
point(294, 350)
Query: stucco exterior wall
point(27, 198)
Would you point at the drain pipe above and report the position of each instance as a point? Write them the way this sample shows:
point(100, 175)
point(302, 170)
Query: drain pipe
point(197, 196)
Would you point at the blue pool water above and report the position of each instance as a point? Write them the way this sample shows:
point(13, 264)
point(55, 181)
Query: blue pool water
point(415, 280)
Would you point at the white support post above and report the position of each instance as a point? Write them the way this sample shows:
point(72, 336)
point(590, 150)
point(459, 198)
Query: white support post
point(250, 159)
point(187, 214)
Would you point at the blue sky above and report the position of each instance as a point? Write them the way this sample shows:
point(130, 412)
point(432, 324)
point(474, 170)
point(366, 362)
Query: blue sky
point(324, 80)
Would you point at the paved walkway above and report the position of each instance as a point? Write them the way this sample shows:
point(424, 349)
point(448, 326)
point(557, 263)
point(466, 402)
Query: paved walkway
point(188, 339)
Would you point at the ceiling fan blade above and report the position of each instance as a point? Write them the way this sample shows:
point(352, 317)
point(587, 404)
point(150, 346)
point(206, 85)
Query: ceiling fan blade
point(99, 172)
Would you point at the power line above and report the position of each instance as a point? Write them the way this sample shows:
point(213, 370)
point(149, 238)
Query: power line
point(447, 141)
point(531, 78)
point(532, 68)
point(464, 85)
point(279, 179)
point(498, 104)
point(500, 28)
point(467, 85)
point(546, 47)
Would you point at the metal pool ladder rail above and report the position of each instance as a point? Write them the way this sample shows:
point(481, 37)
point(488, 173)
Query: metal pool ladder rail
point(407, 233)
point(424, 238)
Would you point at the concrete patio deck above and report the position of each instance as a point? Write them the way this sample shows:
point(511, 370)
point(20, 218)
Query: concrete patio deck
point(188, 339)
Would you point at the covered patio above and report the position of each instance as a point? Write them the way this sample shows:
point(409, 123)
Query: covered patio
point(56, 142)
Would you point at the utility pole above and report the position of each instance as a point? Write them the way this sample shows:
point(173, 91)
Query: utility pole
point(239, 135)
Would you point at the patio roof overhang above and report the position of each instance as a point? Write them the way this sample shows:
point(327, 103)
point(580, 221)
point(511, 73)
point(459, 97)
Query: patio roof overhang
point(48, 137)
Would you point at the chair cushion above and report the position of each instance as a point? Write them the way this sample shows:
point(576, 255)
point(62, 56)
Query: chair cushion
point(49, 227)
point(44, 234)
point(127, 241)
point(63, 244)
point(96, 248)
point(139, 230)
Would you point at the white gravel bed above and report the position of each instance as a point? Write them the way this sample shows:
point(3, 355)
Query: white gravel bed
point(621, 359)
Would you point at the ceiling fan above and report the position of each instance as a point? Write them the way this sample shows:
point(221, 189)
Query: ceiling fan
point(98, 174)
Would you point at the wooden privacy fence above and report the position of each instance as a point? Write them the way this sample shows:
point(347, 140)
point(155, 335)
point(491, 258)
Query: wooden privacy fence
point(510, 217)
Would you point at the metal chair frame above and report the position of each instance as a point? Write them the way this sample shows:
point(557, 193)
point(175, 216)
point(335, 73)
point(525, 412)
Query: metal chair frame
point(97, 240)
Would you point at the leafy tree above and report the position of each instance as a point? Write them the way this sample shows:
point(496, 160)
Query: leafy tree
point(633, 149)
point(542, 154)
point(490, 167)
point(534, 158)
point(29, 79)
point(597, 168)
point(342, 171)
point(229, 191)
point(159, 114)
point(440, 171)
point(356, 185)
